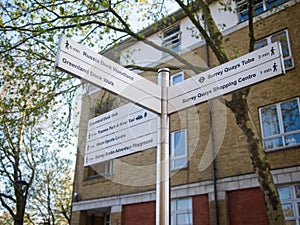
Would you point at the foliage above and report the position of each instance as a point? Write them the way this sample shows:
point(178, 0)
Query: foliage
point(52, 190)
point(32, 117)
point(29, 126)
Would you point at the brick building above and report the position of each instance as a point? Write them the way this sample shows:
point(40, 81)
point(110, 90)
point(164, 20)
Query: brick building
point(203, 191)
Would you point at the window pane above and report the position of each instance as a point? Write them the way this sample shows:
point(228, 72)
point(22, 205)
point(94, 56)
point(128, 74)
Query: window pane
point(184, 218)
point(183, 204)
point(282, 38)
point(178, 149)
point(289, 196)
point(270, 121)
point(177, 78)
point(260, 43)
point(292, 139)
point(288, 63)
point(172, 31)
point(259, 8)
point(290, 115)
point(273, 143)
point(284, 193)
point(179, 143)
point(274, 3)
point(243, 16)
point(172, 38)
point(181, 211)
point(181, 162)
point(297, 191)
point(288, 210)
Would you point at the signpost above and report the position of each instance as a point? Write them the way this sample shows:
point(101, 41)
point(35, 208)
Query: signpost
point(241, 72)
point(131, 128)
point(84, 63)
point(122, 131)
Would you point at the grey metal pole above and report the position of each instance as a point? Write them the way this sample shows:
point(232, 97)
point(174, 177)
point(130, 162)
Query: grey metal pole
point(163, 162)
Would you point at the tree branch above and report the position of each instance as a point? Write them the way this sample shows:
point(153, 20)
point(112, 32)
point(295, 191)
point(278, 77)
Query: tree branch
point(5, 205)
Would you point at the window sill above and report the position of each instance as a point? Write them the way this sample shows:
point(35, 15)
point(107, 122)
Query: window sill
point(282, 148)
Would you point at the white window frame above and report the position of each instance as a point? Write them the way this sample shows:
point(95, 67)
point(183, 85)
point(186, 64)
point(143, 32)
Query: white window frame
point(286, 47)
point(174, 159)
point(290, 202)
point(260, 7)
point(271, 142)
point(109, 167)
point(177, 211)
point(172, 78)
point(172, 38)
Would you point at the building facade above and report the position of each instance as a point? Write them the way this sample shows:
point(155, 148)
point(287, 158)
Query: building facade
point(212, 178)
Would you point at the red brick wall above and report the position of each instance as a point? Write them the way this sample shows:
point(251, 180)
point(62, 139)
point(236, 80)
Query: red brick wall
point(246, 207)
point(200, 210)
point(139, 214)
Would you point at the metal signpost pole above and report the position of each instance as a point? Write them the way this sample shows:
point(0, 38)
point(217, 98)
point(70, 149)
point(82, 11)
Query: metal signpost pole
point(163, 163)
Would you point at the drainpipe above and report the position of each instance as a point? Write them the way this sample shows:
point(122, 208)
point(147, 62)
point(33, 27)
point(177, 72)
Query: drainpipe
point(213, 163)
point(216, 206)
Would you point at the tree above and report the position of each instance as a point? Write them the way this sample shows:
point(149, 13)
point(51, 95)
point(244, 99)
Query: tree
point(26, 130)
point(52, 190)
point(32, 23)
point(239, 106)
point(28, 121)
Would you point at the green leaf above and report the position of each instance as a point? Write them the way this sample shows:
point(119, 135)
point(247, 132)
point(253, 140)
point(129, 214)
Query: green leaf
point(61, 10)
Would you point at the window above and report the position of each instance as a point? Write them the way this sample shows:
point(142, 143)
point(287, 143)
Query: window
point(259, 6)
point(181, 211)
point(178, 151)
point(283, 38)
point(280, 124)
point(100, 169)
point(172, 38)
point(176, 78)
point(290, 201)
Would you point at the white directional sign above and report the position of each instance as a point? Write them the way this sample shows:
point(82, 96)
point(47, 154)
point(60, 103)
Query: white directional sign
point(131, 128)
point(120, 132)
point(251, 68)
point(82, 62)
